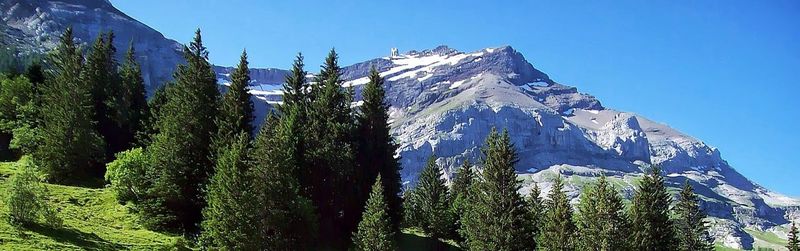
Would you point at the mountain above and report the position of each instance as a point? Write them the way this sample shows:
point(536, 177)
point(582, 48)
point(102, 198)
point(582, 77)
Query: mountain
point(445, 102)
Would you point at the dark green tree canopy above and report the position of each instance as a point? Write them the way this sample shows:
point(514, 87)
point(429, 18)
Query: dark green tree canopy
point(375, 231)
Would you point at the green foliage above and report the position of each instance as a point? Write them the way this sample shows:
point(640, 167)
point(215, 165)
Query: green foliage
point(17, 112)
point(431, 200)
point(558, 230)
point(691, 230)
point(127, 175)
point(602, 224)
point(286, 219)
point(376, 147)
point(179, 152)
point(229, 217)
point(236, 108)
point(794, 240)
point(651, 226)
point(131, 106)
point(27, 200)
point(460, 192)
point(536, 208)
point(375, 231)
point(498, 218)
point(69, 150)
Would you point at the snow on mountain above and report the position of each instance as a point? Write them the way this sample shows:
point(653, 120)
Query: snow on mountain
point(445, 102)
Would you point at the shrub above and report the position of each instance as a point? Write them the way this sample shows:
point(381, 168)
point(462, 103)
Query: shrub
point(127, 175)
point(26, 203)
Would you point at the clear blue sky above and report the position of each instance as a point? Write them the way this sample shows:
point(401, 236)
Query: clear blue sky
point(726, 72)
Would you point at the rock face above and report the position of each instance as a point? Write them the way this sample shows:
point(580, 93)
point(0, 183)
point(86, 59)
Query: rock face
point(445, 102)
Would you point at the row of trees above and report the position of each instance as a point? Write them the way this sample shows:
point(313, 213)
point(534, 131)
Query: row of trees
point(485, 212)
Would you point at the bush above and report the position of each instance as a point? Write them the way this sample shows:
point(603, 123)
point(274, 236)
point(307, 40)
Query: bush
point(26, 203)
point(127, 175)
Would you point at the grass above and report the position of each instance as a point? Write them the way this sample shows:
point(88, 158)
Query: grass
point(93, 220)
point(720, 247)
point(413, 239)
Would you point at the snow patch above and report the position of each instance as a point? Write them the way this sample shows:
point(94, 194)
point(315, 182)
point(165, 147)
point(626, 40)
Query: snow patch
point(457, 84)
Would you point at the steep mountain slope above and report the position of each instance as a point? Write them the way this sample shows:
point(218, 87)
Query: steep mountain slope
point(444, 102)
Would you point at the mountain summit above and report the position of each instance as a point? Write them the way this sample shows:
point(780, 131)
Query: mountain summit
point(444, 102)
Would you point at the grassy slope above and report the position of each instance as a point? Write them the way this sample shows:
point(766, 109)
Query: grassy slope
point(93, 220)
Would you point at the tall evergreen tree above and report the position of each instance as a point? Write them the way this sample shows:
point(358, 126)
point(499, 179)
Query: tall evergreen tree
point(794, 241)
point(652, 229)
point(602, 224)
point(236, 108)
point(498, 217)
point(536, 209)
point(229, 216)
point(285, 218)
point(460, 192)
point(100, 73)
point(376, 148)
point(331, 157)
point(295, 89)
point(35, 74)
point(690, 227)
point(180, 151)
point(432, 200)
point(375, 231)
point(558, 230)
point(133, 110)
point(69, 149)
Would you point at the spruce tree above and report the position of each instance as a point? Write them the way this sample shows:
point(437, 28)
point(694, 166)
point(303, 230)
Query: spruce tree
point(602, 224)
point(375, 231)
point(794, 241)
point(69, 149)
point(331, 158)
point(295, 89)
point(100, 73)
point(285, 218)
point(690, 227)
point(536, 209)
point(229, 215)
point(460, 192)
point(236, 108)
point(498, 217)
point(652, 229)
point(376, 148)
point(180, 151)
point(558, 230)
point(133, 110)
point(432, 200)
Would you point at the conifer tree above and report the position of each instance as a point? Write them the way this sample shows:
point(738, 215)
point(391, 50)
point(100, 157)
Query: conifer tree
point(536, 209)
point(690, 227)
point(285, 218)
point(180, 151)
point(236, 108)
point(331, 158)
point(794, 241)
point(432, 200)
point(133, 109)
point(652, 229)
point(295, 89)
point(375, 231)
point(558, 230)
point(100, 73)
point(35, 74)
point(69, 148)
point(376, 148)
point(602, 224)
point(498, 217)
point(460, 192)
point(229, 215)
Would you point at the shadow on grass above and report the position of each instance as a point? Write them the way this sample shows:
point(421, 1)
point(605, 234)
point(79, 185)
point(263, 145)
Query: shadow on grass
point(87, 241)
point(408, 241)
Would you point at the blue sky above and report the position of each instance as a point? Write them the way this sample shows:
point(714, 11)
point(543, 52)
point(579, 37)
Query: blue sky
point(726, 72)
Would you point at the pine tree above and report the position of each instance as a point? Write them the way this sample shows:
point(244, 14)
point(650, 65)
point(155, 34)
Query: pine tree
point(652, 229)
point(229, 215)
point(432, 200)
point(536, 209)
point(236, 108)
point(558, 230)
point(690, 227)
point(100, 73)
point(331, 157)
point(602, 224)
point(295, 88)
point(180, 150)
point(793, 243)
point(375, 231)
point(286, 219)
point(460, 192)
point(69, 149)
point(498, 217)
point(376, 148)
point(133, 109)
